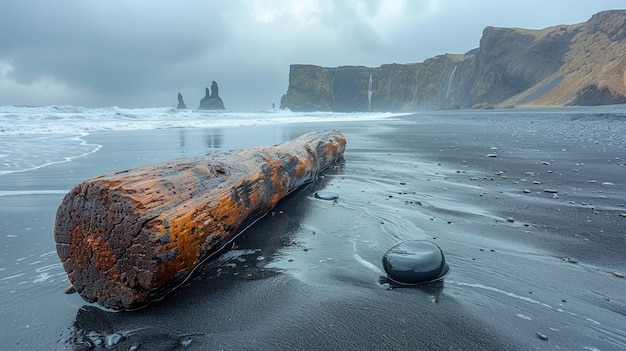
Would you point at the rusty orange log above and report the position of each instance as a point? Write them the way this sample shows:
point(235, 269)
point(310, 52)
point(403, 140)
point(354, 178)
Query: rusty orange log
point(130, 237)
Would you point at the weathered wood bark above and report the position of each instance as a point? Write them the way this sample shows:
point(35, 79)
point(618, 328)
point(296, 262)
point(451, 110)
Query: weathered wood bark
point(130, 237)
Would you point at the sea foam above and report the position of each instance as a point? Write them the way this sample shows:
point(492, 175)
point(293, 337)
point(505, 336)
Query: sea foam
point(32, 137)
point(22, 120)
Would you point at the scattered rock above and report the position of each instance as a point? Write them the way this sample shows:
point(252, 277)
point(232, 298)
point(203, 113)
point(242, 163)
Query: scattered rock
point(326, 195)
point(526, 191)
point(70, 289)
point(113, 339)
point(618, 274)
point(542, 336)
point(492, 155)
point(551, 191)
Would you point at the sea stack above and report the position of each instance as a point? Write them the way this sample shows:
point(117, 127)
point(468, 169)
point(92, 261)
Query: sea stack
point(212, 100)
point(181, 103)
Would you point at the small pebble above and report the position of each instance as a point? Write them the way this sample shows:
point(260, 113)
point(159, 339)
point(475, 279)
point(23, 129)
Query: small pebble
point(572, 260)
point(135, 347)
point(618, 274)
point(526, 191)
point(70, 289)
point(510, 219)
point(324, 195)
point(541, 336)
point(492, 155)
point(113, 339)
point(551, 191)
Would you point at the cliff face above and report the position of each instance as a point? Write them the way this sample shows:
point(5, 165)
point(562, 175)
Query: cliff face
point(581, 64)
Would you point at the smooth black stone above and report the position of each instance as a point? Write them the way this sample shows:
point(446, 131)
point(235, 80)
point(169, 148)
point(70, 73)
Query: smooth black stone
point(415, 262)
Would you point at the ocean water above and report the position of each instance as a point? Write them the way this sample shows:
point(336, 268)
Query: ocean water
point(36, 136)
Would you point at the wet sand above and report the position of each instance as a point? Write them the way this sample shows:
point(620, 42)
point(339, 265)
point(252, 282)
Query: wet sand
point(526, 206)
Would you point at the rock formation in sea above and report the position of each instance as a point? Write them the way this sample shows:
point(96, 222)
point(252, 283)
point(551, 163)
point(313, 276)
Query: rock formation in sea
point(211, 100)
point(181, 103)
point(579, 64)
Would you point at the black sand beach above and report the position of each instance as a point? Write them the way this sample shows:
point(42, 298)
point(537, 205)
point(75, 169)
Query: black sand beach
point(527, 205)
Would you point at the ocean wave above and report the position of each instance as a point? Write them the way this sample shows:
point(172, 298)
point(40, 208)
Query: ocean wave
point(25, 152)
point(32, 192)
point(32, 137)
point(26, 120)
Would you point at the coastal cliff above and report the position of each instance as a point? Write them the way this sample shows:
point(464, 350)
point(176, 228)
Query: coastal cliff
point(580, 64)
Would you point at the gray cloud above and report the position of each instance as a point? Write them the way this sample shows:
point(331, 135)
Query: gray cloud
point(142, 53)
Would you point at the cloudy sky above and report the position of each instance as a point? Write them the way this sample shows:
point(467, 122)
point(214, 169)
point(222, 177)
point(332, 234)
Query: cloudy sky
point(141, 53)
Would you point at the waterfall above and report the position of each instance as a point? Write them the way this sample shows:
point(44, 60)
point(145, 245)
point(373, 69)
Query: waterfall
point(369, 94)
point(450, 82)
point(332, 90)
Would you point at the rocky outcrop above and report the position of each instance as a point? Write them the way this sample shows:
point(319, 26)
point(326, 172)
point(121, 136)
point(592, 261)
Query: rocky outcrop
point(211, 100)
point(592, 96)
point(581, 64)
point(181, 103)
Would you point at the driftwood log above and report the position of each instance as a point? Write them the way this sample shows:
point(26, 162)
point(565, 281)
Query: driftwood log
point(130, 237)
